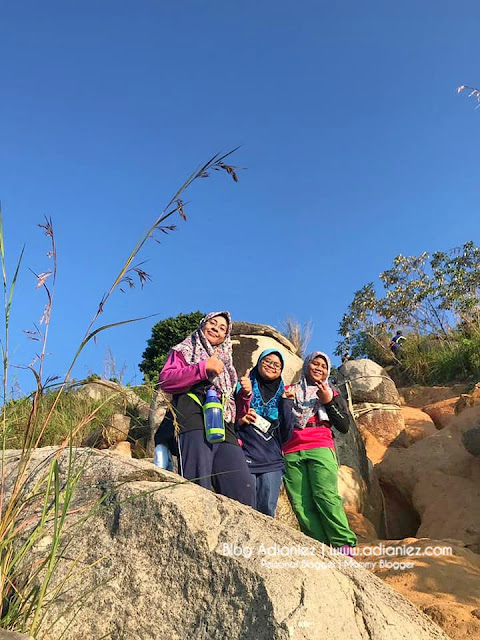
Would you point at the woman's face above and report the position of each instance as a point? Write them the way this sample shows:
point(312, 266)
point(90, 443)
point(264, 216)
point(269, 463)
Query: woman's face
point(317, 370)
point(215, 330)
point(270, 367)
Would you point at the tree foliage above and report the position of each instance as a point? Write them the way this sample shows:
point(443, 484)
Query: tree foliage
point(165, 335)
point(423, 295)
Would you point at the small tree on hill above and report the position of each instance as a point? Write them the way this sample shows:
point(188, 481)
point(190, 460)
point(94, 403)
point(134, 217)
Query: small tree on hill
point(423, 295)
point(165, 335)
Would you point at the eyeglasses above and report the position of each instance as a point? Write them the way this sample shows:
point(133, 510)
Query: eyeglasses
point(273, 365)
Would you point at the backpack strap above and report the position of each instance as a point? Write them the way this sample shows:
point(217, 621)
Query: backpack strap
point(195, 399)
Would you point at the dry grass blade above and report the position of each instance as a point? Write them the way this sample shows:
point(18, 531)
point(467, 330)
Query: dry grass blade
point(299, 335)
point(33, 511)
point(474, 93)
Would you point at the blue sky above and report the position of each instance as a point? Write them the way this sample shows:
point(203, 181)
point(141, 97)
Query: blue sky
point(356, 148)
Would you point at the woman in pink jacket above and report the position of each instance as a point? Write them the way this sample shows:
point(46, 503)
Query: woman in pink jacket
point(201, 362)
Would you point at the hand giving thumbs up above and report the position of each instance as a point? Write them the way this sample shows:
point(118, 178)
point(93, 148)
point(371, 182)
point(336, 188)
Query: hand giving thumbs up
point(246, 383)
point(214, 365)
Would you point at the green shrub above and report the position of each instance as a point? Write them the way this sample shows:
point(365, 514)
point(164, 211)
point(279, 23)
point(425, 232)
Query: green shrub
point(72, 409)
point(433, 360)
point(165, 335)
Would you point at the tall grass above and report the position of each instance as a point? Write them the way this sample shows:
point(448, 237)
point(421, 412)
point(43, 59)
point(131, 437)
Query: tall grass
point(34, 503)
point(73, 409)
point(432, 360)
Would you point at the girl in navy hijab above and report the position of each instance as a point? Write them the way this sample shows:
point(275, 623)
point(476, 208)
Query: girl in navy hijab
point(263, 430)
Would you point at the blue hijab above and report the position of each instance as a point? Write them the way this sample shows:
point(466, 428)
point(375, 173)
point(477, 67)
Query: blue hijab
point(266, 393)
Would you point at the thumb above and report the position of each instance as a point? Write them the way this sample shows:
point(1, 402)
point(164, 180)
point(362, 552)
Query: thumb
point(247, 373)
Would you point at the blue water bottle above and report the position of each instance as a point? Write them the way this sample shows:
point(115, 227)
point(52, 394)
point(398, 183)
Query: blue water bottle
point(213, 418)
point(162, 457)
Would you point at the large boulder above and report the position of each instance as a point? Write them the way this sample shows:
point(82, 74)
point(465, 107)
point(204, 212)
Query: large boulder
point(441, 412)
point(449, 507)
point(418, 396)
point(102, 389)
point(384, 422)
point(249, 340)
point(471, 399)
point(369, 382)
point(441, 577)
point(437, 484)
point(418, 424)
point(351, 451)
point(471, 441)
point(116, 430)
point(375, 450)
point(163, 558)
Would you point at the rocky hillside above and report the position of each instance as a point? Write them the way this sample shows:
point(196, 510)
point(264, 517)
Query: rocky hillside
point(164, 558)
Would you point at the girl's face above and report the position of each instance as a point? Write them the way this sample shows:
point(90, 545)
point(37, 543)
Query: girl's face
point(215, 330)
point(317, 370)
point(270, 367)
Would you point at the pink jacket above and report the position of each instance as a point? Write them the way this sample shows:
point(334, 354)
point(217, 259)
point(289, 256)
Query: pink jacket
point(178, 377)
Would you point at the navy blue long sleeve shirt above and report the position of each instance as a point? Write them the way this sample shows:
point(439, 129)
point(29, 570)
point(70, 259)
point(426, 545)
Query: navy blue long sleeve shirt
point(263, 451)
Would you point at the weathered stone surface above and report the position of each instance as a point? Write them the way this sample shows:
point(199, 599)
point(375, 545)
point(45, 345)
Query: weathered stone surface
point(418, 424)
point(441, 412)
point(352, 488)
point(284, 512)
point(446, 587)
point(101, 389)
point(449, 507)
point(374, 509)
point(419, 397)
point(442, 451)
point(364, 529)
point(123, 449)
point(249, 340)
point(13, 635)
point(166, 567)
point(471, 441)
point(441, 483)
point(467, 419)
point(351, 451)
point(375, 449)
point(369, 382)
point(465, 400)
point(385, 423)
point(116, 430)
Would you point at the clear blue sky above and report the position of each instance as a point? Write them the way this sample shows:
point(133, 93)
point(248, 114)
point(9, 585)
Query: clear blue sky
point(356, 145)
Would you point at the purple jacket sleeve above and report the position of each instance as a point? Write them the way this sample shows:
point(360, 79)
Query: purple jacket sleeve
point(242, 403)
point(177, 376)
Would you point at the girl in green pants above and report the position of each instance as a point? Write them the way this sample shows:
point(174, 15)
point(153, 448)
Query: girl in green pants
point(311, 469)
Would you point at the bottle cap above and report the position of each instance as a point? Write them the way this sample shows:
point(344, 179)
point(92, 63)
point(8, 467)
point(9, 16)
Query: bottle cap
point(212, 396)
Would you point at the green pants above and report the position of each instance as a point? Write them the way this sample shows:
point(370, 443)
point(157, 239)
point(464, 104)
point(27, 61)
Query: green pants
point(311, 481)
